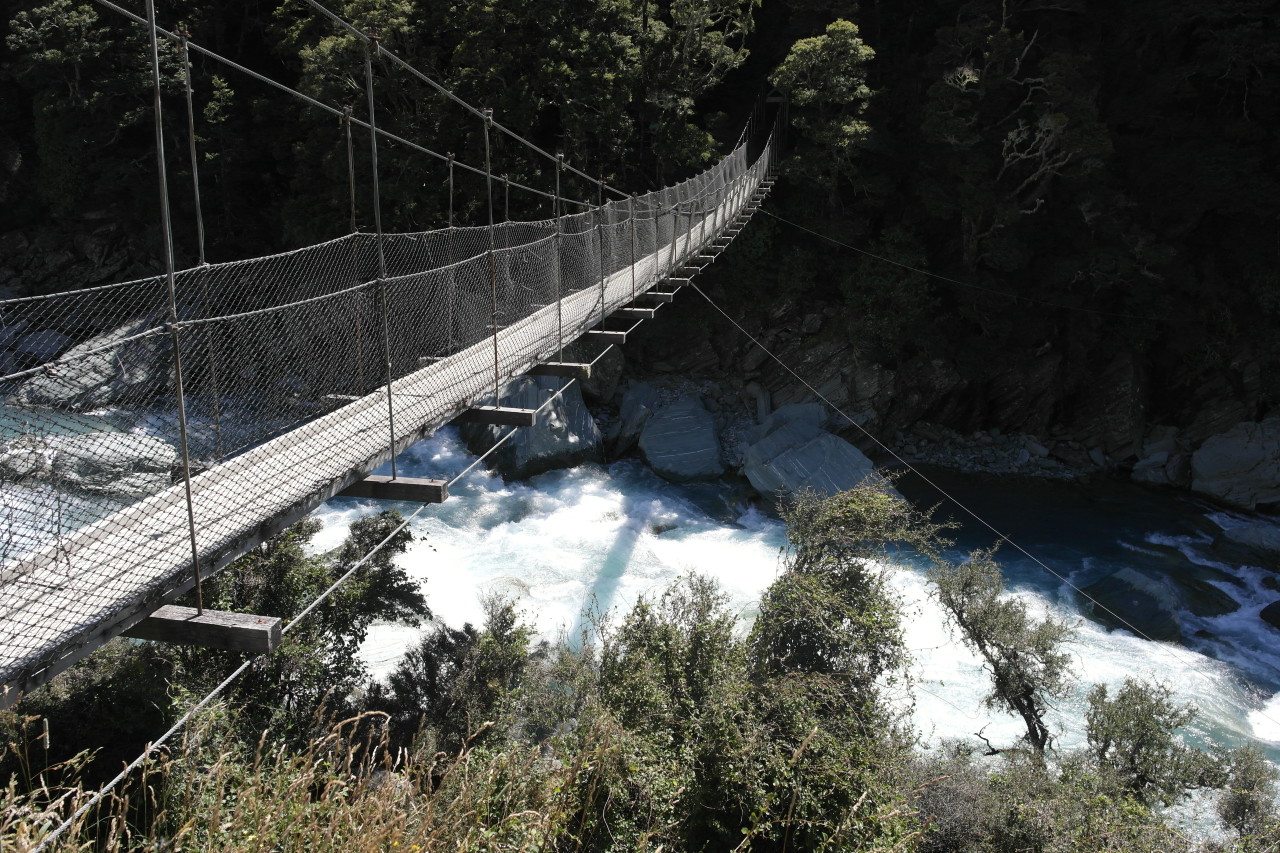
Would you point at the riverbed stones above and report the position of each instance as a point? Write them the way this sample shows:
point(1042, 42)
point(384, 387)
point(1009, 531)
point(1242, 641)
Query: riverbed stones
point(1271, 614)
point(1134, 602)
point(25, 458)
point(39, 347)
point(680, 442)
point(565, 434)
point(1151, 605)
point(1257, 543)
point(793, 452)
point(111, 368)
point(115, 463)
point(1240, 466)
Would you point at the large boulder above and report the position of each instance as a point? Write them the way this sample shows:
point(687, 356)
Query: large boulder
point(680, 443)
point(565, 434)
point(1110, 409)
point(793, 452)
point(39, 347)
point(638, 403)
point(1164, 459)
point(602, 384)
point(118, 464)
point(1151, 603)
point(25, 458)
point(1257, 543)
point(1132, 601)
point(1240, 466)
point(1271, 614)
point(103, 370)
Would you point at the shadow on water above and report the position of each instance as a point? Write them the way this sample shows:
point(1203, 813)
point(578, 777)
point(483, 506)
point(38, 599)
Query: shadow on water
point(603, 591)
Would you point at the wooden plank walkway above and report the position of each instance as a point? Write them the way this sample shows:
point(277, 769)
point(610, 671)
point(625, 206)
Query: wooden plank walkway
point(59, 603)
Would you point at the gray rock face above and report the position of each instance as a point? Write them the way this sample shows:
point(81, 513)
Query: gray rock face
point(1164, 461)
point(83, 379)
point(1111, 409)
point(39, 347)
point(680, 442)
point(1257, 543)
point(565, 434)
point(1240, 466)
point(793, 452)
point(1152, 604)
point(115, 463)
point(605, 376)
point(25, 458)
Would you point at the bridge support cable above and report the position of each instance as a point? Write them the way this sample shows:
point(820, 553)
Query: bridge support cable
point(384, 306)
point(351, 166)
point(210, 345)
point(191, 144)
point(166, 231)
point(631, 222)
point(558, 264)
point(599, 233)
point(451, 259)
point(493, 263)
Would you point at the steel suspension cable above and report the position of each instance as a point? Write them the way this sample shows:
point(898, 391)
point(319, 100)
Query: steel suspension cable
point(166, 231)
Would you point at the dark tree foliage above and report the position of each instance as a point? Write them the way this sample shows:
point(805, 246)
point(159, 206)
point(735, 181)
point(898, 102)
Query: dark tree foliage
point(1024, 656)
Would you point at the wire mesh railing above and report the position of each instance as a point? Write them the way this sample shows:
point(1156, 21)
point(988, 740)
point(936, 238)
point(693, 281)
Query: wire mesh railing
point(300, 371)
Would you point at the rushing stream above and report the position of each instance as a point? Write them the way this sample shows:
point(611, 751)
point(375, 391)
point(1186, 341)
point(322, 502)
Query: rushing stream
point(562, 541)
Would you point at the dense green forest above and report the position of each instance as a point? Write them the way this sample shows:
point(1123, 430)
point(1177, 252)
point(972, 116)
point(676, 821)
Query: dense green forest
point(1101, 178)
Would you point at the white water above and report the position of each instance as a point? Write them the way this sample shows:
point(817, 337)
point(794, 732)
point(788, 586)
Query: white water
point(604, 535)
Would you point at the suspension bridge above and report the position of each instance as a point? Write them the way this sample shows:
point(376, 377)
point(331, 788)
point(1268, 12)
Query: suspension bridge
point(190, 416)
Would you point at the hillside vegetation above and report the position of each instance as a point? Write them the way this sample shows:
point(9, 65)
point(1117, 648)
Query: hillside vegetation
point(671, 726)
point(1101, 178)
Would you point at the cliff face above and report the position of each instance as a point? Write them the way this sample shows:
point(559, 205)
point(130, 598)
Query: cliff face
point(1046, 409)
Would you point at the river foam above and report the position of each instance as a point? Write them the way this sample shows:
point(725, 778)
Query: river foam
point(602, 536)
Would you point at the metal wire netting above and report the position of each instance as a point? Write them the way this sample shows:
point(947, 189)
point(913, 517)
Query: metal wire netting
point(300, 372)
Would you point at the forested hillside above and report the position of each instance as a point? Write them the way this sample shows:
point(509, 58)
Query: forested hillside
point(1102, 179)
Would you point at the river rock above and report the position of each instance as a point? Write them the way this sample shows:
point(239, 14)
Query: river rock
point(1271, 614)
point(1257, 543)
point(1240, 466)
point(1111, 411)
point(793, 452)
point(39, 347)
point(25, 458)
point(565, 434)
point(85, 378)
point(1151, 604)
point(11, 332)
point(1164, 461)
point(115, 463)
point(638, 403)
point(602, 384)
point(680, 443)
point(1147, 606)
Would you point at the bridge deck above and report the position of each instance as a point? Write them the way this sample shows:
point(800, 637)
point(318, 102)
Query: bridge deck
point(130, 563)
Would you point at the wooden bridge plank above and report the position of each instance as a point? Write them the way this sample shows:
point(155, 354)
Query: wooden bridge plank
point(213, 629)
point(384, 488)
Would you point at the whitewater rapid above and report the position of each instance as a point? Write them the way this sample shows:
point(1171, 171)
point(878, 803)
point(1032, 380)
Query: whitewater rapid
point(601, 536)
